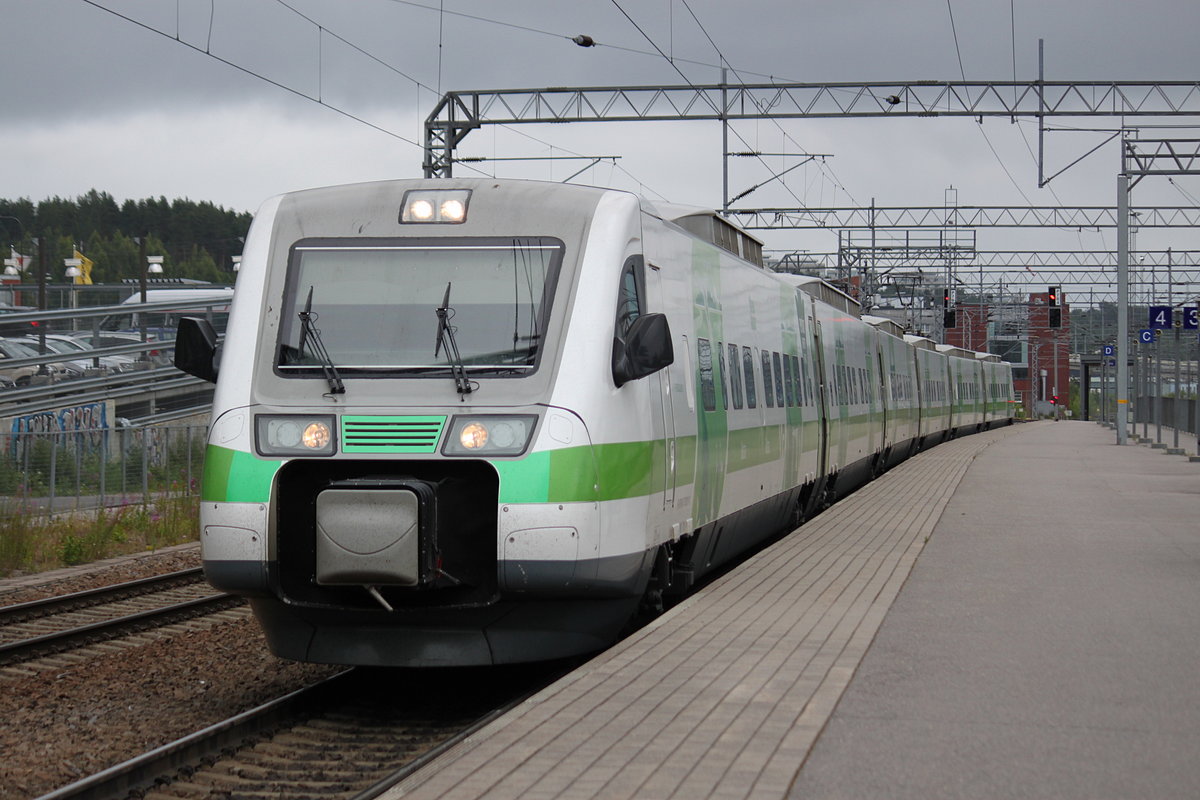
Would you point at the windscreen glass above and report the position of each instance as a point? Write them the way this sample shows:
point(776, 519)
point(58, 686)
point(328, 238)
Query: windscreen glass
point(374, 306)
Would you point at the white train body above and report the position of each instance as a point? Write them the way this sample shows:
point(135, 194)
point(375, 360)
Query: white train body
point(396, 534)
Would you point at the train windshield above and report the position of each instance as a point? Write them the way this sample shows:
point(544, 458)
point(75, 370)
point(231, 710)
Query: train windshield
point(374, 304)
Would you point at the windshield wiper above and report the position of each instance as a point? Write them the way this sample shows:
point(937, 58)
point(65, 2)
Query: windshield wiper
point(446, 332)
point(308, 331)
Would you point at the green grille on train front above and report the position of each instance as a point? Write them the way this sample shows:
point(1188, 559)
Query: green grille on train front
point(362, 434)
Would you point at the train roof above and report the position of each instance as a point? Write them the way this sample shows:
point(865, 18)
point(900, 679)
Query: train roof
point(706, 224)
point(989, 357)
point(951, 350)
point(823, 291)
point(920, 342)
point(884, 324)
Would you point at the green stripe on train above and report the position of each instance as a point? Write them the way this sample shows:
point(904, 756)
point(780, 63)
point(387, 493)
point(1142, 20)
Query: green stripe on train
point(571, 475)
point(234, 476)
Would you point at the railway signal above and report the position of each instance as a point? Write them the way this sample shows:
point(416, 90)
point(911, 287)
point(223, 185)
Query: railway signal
point(1055, 315)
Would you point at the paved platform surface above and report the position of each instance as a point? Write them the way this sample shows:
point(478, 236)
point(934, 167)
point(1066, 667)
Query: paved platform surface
point(1045, 644)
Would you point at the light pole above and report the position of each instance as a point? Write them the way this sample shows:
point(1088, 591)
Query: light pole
point(1122, 307)
point(73, 272)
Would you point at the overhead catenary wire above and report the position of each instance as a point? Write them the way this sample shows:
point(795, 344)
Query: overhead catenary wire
point(252, 73)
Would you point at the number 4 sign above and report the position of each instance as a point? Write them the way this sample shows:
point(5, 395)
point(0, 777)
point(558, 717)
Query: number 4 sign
point(1160, 317)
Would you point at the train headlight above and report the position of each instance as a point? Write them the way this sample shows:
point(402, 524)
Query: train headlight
point(489, 435)
point(294, 435)
point(435, 205)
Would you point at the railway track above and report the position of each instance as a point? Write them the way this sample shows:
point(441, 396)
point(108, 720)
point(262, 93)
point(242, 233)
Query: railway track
point(43, 628)
point(352, 736)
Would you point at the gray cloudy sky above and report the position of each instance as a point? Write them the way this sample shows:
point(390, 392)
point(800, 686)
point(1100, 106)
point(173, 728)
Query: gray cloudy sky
point(96, 101)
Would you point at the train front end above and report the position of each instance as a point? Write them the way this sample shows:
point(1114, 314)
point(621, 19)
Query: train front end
point(386, 425)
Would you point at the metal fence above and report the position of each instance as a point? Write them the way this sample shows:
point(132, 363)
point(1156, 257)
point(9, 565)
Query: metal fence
point(56, 471)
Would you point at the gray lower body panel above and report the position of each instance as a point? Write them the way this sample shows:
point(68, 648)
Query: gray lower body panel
point(508, 632)
point(546, 613)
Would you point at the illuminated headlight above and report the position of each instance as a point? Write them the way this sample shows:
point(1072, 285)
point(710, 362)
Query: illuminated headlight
point(294, 435)
point(489, 435)
point(435, 205)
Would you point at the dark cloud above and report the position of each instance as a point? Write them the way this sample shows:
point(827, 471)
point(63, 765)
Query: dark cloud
point(75, 79)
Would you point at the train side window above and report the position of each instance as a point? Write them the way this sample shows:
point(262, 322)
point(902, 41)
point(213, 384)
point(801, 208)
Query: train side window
point(629, 295)
point(708, 392)
point(788, 386)
point(778, 380)
point(724, 380)
point(735, 376)
point(748, 369)
point(768, 396)
point(801, 387)
point(797, 381)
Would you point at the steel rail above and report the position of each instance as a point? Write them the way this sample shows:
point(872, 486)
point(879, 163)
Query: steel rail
point(143, 770)
point(91, 597)
point(58, 641)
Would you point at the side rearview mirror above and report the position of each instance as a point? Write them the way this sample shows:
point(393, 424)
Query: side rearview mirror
point(646, 349)
point(196, 348)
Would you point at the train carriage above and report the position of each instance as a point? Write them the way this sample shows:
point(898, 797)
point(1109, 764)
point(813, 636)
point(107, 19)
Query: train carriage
point(966, 389)
point(998, 390)
point(484, 421)
point(933, 390)
point(898, 370)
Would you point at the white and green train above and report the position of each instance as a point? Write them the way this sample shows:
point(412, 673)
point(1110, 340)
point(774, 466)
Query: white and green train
point(482, 421)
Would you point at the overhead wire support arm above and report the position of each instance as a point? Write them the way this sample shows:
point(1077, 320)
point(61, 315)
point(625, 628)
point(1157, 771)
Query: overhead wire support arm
point(774, 177)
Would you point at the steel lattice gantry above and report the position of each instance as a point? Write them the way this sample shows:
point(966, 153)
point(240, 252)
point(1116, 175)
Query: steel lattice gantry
point(1067, 268)
point(1080, 217)
point(458, 113)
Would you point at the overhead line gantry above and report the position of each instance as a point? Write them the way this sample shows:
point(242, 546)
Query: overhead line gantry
point(458, 113)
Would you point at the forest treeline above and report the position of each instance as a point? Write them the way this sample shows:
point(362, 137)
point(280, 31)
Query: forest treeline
point(196, 239)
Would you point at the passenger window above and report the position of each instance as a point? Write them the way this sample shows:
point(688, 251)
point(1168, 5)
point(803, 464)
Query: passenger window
point(708, 392)
point(748, 369)
point(778, 381)
point(797, 381)
point(735, 376)
point(788, 382)
point(724, 382)
point(768, 397)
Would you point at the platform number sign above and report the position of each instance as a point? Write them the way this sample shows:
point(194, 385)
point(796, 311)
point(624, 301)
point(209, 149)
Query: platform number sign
point(1160, 317)
point(1191, 318)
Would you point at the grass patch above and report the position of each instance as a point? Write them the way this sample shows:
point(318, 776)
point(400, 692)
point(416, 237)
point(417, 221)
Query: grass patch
point(30, 542)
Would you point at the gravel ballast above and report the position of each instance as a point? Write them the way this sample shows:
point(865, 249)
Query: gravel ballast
point(66, 723)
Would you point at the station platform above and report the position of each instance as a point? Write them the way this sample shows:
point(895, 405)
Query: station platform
point(1010, 614)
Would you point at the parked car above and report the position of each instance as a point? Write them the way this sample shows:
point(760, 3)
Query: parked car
point(11, 350)
point(157, 355)
point(15, 328)
point(162, 324)
point(66, 344)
